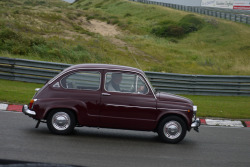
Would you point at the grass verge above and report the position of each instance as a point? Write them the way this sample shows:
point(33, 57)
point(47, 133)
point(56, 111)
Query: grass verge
point(208, 106)
point(235, 107)
point(15, 92)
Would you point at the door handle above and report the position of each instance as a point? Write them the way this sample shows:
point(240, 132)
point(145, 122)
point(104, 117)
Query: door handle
point(106, 94)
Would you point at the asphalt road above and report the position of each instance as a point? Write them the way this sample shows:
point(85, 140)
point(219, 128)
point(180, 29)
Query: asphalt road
point(213, 146)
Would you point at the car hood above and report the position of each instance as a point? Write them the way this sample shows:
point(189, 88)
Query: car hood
point(162, 96)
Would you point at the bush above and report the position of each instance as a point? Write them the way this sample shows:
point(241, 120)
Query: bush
point(191, 23)
point(127, 15)
point(187, 24)
point(172, 30)
point(13, 42)
point(6, 34)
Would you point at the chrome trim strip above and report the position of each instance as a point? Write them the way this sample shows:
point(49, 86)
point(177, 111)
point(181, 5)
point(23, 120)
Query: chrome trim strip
point(124, 118)
point(115, 105)
point(106, 94)
point(170, 109)
point(63, 72)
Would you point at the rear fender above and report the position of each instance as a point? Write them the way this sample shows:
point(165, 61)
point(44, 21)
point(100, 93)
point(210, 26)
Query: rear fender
point(43, 107)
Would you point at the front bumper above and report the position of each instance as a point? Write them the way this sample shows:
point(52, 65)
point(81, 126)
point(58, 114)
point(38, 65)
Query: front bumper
point(196, 124)
point(27, 111)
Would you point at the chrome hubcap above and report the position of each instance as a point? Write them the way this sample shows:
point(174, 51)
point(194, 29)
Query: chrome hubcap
point(61, 121)
point(172, 129)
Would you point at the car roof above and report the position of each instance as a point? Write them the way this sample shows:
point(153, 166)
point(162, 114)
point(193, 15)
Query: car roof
point(103, 66)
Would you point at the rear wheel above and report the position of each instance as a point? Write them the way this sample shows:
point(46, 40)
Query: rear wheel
point(172, 129)
point(61, 121)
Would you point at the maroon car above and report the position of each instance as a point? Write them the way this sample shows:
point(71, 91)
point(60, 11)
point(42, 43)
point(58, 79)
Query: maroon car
point(110, 96)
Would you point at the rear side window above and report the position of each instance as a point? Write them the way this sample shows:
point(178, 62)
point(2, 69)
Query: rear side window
point(83, 80)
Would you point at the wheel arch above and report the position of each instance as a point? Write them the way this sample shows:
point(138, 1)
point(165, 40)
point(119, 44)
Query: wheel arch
point(62, 108)
point(168, 115)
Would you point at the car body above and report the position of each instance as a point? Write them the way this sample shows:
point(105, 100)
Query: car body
point(110, 96)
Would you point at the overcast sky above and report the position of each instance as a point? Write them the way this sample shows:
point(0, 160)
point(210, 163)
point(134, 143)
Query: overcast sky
point(69, 1)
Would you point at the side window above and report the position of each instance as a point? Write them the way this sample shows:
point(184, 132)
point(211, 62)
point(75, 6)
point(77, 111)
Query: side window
point(141, 86)
point(84, 80)
point(124, 82)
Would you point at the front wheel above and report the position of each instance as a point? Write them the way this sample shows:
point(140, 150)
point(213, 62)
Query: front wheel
point(61, 121)
point(172, 129)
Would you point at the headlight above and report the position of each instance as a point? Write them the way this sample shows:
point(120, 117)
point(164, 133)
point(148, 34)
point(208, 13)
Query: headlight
point(194, 109)
point(194, 113)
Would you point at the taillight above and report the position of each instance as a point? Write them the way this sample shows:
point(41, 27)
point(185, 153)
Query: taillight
point(31, 103)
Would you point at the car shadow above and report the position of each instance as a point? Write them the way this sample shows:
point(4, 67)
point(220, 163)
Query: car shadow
point(103, 134)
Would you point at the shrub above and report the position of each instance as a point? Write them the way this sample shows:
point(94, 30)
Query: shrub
point(87, 4)
point(20, 49)
point(127, 15)
point(41, 50)
point(113, 21)
point(191, 23)
point(172, 30)
point(37, 41)
point(6, 34)
point(187, 24)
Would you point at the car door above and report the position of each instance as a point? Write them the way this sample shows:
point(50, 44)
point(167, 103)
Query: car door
point(127, 106)
point(82, 88)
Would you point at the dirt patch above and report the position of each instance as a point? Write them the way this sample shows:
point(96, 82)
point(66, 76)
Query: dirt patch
point(110, 31)
point(99, 27)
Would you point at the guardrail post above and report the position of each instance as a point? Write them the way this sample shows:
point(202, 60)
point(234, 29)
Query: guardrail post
point(13, 69)
point(193, 80)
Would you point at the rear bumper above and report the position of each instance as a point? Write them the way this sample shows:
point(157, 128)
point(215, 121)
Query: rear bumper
point(196, 124)
point(27, 111)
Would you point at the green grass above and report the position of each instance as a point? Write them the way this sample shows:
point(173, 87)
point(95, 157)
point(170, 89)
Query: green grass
point(234, 107)
point(15, 92)
point(154, 38)
point(208, 106)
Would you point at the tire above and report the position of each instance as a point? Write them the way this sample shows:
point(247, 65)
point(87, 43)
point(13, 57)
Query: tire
point(172, 129)
point(61, 122)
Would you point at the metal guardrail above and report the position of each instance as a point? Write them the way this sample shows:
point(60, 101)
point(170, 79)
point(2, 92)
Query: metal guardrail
point(219, 13)
point(221, 85)
point(29, 70)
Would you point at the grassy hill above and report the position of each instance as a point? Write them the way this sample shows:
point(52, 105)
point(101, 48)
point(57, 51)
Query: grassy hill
point(149, 37)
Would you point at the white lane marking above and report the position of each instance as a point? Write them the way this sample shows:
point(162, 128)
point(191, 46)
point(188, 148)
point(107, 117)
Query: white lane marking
point(224, 123)
point(3, 106)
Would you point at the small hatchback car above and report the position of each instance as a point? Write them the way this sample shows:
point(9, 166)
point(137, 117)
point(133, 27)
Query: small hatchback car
point(110, 96)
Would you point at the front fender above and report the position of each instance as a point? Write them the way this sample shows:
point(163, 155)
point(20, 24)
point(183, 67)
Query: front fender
point(184, 114)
